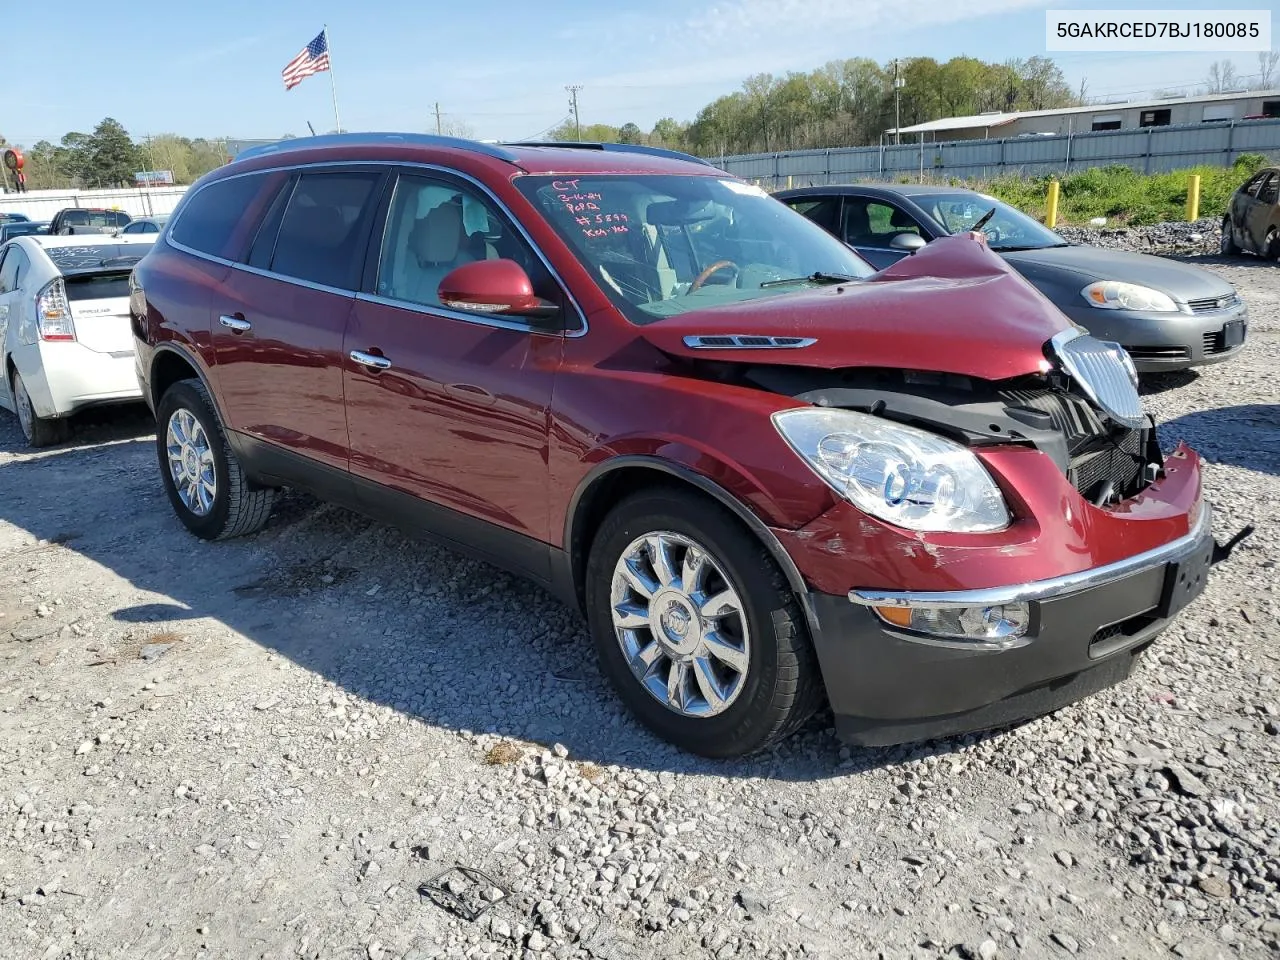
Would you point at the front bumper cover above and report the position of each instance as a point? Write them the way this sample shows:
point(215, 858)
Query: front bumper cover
point(888, 685)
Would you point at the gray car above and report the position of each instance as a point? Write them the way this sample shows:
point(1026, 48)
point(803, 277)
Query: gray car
point(1167, 315)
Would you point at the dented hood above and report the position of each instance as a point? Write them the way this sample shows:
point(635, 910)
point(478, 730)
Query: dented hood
point(953, 307)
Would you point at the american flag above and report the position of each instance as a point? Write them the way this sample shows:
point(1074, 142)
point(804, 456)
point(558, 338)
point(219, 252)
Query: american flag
point(313, 58)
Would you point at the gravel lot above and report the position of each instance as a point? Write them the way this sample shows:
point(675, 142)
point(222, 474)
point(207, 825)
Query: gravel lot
point(264, 748)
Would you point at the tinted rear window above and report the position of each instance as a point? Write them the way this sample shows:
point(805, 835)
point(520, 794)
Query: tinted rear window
point(323, 232)
point(208, 219)
point(98, 286)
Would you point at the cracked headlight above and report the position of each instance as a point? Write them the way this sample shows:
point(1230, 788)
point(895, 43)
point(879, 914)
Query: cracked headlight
point(904, 476)
point(1118, 295)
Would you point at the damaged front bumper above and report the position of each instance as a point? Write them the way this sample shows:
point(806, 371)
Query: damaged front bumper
point(1084, 630)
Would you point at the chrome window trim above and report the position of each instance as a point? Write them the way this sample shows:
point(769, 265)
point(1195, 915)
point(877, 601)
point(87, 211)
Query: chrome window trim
point(431, 310)
point(579, 331)
point(1051, 588)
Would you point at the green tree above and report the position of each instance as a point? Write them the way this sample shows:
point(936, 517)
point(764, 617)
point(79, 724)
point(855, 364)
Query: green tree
point(667, 133)
point(630, 133)
point(110, 157)
point(591, 133)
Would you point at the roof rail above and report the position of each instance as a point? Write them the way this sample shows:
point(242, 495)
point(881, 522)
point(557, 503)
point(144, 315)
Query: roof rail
point(614, 148)
point(359, 139)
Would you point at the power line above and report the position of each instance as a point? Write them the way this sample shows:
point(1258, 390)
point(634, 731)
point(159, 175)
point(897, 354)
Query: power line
point(535, 136)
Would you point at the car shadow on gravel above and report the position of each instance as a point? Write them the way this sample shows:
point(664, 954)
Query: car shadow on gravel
point(1152, 383)
point(1243, 436)
point(94, 425)
point(1218, 260)
point(455, 643)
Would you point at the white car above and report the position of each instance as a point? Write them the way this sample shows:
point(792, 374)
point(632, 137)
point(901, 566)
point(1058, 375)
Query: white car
point(65, 337)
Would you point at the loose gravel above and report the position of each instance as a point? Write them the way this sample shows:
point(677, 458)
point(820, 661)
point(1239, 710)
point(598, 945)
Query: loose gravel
point(1202, 236)
point(273, 747)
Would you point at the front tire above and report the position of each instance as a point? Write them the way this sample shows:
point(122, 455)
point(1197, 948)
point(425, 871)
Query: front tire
point(205, 482)
point(1228, 248)
point(39, 431)
point(696, 626)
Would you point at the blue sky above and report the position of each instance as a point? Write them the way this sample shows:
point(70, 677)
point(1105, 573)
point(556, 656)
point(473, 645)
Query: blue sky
point(499, 67)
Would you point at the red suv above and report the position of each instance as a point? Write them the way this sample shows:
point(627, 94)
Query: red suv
point(768, 476)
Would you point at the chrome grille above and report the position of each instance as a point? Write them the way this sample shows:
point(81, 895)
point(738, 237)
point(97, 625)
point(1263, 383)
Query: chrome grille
point(1210, 304)
point(1104, 372)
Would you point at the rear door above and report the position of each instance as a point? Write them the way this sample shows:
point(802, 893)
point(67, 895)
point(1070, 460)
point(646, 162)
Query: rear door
point(280, 315)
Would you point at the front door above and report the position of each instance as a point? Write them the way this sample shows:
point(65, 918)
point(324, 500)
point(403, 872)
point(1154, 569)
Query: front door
point(869, 226)
point(279, 318)
point(1260, 210)
point(448, 411)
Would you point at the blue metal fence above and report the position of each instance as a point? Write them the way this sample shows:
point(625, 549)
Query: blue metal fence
point(1149, 150)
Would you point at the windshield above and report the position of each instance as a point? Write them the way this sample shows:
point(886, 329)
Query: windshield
point(660, 246)
point(1009, 229)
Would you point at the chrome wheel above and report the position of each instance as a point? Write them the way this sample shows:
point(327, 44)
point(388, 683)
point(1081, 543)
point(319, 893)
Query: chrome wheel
point(681, 624)
point(22, 403)
point(191, 462)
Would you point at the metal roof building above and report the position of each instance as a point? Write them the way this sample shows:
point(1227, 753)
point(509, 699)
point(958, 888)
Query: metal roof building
point(1170, 111)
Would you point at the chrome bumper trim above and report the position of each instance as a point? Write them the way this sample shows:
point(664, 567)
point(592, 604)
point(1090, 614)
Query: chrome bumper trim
point(1046, 589)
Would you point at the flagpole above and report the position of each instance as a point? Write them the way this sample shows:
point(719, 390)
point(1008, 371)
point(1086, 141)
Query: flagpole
point(333, 86)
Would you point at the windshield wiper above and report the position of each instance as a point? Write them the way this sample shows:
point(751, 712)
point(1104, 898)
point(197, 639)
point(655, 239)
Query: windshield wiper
point(818, 277)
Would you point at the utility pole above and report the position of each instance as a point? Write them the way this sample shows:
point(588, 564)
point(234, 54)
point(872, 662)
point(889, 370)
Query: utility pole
point(573, 102)
point(438, 128)
point(897, 103)
point(4, 171)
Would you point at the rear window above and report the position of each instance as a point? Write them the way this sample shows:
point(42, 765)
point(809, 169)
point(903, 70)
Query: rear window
point(207, 220)
point(324, 228)
point(96, 218)
point(96, 257)
point(98, 286)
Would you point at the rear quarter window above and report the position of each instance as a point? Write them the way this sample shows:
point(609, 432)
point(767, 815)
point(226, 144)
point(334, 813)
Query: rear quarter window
point(217, 217)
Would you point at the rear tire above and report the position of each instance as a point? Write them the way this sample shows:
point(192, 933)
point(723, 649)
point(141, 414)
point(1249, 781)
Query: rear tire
point(722, 629)
point(1271, 249)
point(1228, 247)
point(205, 482)
point(39, 431)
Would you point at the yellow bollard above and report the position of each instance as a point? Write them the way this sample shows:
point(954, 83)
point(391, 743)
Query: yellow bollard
point(788, 181)
point(1193, 198)
point(1051, 211)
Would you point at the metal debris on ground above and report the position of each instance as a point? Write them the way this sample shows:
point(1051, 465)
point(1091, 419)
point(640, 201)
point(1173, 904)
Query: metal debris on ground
point(464, 891)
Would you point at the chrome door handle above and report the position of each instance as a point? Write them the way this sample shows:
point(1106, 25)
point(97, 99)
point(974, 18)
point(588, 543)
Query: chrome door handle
point(235, 323)
point(370, 361)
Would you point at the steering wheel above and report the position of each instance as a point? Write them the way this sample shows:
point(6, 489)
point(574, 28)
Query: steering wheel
point(705, 275)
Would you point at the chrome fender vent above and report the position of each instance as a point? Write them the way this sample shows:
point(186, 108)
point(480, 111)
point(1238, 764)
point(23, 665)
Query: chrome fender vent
point(1104, 372)
point(744, 341)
